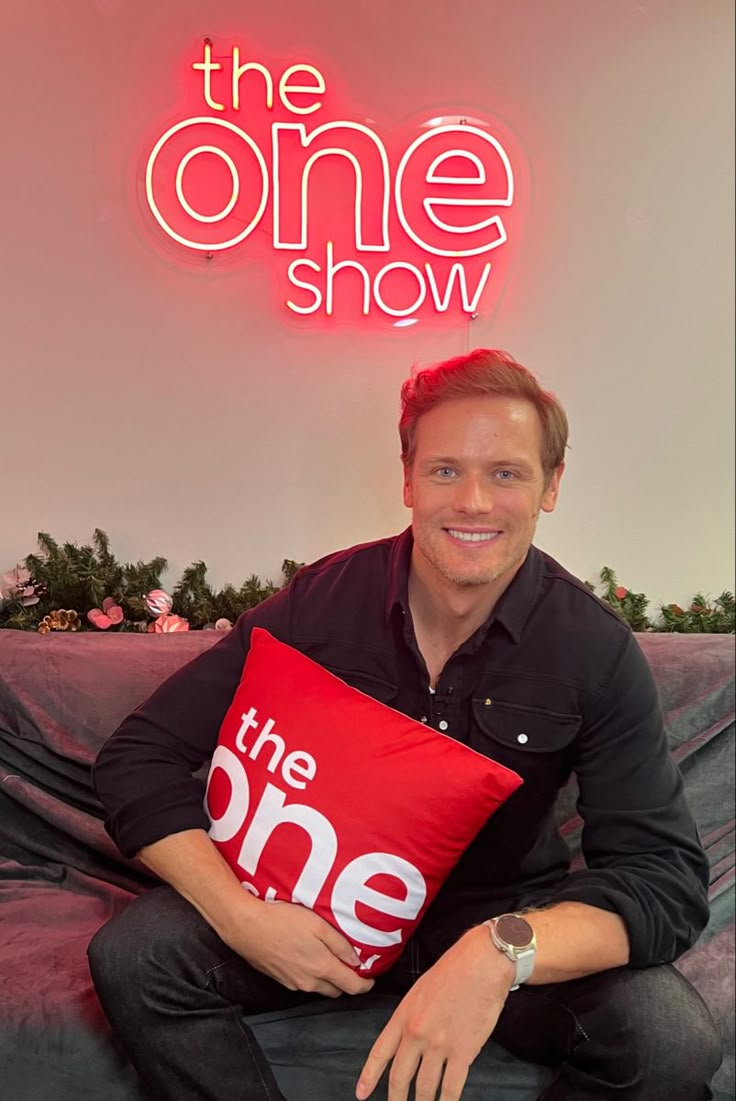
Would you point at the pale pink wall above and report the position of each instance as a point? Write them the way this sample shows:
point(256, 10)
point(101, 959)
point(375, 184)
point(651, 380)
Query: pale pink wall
point(171, 406)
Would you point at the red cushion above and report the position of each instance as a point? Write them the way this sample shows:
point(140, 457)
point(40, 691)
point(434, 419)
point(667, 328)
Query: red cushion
point(320, 795)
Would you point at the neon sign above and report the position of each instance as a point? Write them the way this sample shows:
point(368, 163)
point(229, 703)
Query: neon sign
point(399, 226)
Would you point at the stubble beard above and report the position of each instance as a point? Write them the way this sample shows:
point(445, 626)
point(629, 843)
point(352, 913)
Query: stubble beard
point(485, 575)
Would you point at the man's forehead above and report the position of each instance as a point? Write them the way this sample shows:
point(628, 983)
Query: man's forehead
point(480, 412)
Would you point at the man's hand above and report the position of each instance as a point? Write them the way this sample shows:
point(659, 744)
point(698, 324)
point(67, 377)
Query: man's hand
point(290, 943)
point(442, 1023)
point(297, 948)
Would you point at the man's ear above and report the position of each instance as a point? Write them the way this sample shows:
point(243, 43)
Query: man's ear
point(408, 495)
point(551, 493)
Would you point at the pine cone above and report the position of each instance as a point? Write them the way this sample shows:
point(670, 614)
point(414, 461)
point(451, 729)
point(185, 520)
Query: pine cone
point(62, 619)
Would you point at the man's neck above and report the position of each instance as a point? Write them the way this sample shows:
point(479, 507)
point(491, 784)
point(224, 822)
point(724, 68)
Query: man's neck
point(451, 612)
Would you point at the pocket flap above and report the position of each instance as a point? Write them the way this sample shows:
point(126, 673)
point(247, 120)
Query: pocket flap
point(380, 690)
point(526, 729)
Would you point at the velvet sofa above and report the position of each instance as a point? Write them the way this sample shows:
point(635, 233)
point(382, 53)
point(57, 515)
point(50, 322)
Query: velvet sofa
point(61, 877)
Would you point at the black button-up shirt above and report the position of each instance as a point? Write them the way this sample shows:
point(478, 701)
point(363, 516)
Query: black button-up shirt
point(552, 683)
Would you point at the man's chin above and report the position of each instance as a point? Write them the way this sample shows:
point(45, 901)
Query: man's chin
point(474, 582)
point(481, 574)
point(473, 579)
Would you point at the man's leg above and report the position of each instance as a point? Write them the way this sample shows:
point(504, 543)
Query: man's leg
point(622, 1034)
point(174, 994)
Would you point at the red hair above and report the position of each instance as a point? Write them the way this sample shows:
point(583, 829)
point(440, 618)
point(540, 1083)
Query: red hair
point(486, 371)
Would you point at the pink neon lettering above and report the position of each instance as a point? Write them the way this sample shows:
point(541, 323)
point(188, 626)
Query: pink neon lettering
point(294, 155)
point(403, 233)
point(481, 150)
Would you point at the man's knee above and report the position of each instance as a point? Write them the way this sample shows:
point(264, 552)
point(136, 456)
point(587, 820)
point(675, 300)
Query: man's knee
point(666, 1033)
point(138, 940)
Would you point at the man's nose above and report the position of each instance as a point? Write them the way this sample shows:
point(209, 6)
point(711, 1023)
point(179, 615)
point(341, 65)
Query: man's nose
point(474, 495)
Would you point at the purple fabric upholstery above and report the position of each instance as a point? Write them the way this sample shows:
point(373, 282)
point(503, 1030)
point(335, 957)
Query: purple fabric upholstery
point(61, 877)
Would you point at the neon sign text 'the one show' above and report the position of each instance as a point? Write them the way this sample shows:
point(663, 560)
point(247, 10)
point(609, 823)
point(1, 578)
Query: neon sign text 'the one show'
point(402, 225)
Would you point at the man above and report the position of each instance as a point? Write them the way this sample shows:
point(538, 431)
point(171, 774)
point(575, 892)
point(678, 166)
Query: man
point(461, 623)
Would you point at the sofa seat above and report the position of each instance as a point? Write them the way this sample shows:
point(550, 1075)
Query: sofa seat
point(61, 877)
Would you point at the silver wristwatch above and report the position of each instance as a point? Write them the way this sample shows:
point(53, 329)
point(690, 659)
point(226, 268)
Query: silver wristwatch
point(514, 936)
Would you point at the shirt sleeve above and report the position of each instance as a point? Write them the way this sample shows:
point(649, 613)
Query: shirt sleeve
point(641, 847)
point(143, 773)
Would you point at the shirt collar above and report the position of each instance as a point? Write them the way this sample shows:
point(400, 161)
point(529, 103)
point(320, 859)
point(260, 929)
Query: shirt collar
point(397, 593)
point(512, 610)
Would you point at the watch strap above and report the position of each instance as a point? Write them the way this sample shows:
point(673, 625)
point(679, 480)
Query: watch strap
point(522, 958)
point(524, 966)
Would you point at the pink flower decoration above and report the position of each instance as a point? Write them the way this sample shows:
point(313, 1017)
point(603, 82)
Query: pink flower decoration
point(167, 624)
point(620, 592)
point(110, 615)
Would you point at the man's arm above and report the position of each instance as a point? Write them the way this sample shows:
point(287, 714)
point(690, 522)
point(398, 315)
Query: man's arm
point(452, 1010)
point(143, 774)
point(293, 945)
point(643, 857)
point(143, 777)
point(641, 900)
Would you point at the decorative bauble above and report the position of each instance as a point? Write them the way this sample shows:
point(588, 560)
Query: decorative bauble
point(158, 602)
point(166, 624)
point(223, 625)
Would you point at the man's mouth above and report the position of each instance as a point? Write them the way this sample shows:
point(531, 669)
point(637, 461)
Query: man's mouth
point(472, 536)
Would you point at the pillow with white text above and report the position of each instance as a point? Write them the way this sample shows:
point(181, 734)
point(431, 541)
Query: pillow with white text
point(320, 795)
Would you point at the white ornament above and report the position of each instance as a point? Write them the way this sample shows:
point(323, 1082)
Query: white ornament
point(158, 602)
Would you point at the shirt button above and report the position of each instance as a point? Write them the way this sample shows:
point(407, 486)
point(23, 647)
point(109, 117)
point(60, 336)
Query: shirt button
point(423, 719)
point(443, 725)
point(487, 702)
point(522, 738)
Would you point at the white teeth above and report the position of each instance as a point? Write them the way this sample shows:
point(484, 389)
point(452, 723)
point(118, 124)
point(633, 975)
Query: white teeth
point(472, 536)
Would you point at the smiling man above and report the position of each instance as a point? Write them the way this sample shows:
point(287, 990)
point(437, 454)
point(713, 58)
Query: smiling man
point(461, 623)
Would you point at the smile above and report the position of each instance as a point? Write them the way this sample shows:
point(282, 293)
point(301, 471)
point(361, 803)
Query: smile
point(472, 536)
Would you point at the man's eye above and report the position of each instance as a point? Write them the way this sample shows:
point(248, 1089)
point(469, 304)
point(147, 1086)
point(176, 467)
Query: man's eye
point(445, 472)
point(506, 475)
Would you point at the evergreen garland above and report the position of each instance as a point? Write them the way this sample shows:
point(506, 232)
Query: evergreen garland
point(66, 576)
point(701, 617)
point(78, 579)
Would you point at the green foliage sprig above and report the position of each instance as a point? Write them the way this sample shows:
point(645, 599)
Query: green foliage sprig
point(79, 578)
point(702, 616)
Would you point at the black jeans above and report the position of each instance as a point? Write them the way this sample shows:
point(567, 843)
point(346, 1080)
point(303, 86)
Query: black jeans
point(175, 995)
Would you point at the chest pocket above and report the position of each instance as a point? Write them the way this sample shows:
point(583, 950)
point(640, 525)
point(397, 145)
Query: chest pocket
point(369, 685)
point(535, 743)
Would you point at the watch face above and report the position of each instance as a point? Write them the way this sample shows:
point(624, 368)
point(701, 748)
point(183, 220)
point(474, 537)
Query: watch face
point(514, 930)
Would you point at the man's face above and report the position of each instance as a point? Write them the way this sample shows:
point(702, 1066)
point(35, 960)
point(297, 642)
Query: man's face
point(476, 487)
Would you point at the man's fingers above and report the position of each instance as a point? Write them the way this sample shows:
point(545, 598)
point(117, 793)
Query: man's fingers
point(378, 1057)
point(339, 946)
point(429, 1076)
point(328, 989)
point(343, 958)
point(403, 1069)
point(453, 1084)
point(348, 982)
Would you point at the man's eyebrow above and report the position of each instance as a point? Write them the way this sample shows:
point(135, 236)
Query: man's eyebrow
point(451, 460)
point(523, 464)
